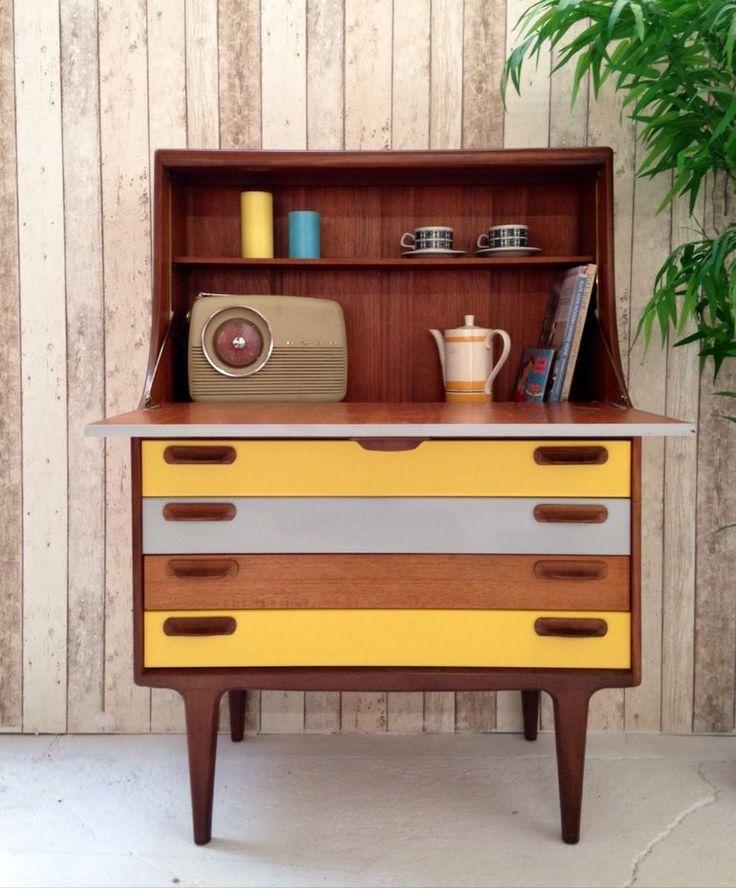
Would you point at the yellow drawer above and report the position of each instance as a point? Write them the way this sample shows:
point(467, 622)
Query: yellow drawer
point(345, 468)
point(382, 638)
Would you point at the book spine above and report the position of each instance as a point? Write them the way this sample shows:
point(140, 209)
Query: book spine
point(564, 353)
point(572, 357)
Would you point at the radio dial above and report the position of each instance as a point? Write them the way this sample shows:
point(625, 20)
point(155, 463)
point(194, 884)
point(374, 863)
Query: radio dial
point(238, 342)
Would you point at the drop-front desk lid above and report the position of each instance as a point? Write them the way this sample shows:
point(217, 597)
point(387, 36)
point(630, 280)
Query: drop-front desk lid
point(369, 420)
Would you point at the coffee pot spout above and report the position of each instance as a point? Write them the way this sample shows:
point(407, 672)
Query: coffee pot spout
point(440, 340)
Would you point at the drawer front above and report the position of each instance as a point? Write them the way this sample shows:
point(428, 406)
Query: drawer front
point(481, 525)
point(241, 582)
point(441, 638)
point(346, 468)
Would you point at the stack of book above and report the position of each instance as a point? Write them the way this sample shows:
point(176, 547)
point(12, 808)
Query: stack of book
point(546, 371)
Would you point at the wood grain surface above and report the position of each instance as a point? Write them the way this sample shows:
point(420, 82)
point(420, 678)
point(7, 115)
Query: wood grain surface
point(126, 245)
point(368, 86)
point(203, 116)
point(283, 73)
point(11, 449)
point(412, 28)
point(715, 616)
point(142, 69)
point(239, 82)
point(484, 44)
point(85, 364)
point(325, 62)
point(44, 365)
point(191, 415)
point(680, 524)
point(516, 582)
point(648, 388)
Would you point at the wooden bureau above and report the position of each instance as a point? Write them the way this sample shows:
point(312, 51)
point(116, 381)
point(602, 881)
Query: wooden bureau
point(392, 541)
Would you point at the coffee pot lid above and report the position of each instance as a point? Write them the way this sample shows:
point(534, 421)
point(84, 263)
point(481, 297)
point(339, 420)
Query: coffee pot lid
point(469, 328)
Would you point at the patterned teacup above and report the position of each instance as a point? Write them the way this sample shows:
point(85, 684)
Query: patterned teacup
point(509, 235)
point(428, 237)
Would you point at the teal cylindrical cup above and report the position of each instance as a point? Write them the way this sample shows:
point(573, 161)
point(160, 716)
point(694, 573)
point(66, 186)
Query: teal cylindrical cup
point(303, 234)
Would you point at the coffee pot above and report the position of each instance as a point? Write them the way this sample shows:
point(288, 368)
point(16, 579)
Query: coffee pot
point(466, 356)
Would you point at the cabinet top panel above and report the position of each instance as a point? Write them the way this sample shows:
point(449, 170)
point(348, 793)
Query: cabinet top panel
point(528, 163)
point(391, 420)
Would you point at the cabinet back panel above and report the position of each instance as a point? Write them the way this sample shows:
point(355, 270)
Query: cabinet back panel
point(391, 356)
point(367, 222)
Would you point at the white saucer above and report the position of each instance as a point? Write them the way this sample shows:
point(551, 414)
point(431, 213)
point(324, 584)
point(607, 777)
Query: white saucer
point(508, 251)
point(433, 251)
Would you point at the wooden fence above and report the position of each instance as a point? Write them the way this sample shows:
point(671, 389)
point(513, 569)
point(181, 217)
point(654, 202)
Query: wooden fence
point(88, 91)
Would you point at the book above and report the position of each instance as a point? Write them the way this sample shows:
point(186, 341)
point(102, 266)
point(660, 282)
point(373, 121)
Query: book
point(585, 300)
point(534, 370)
point(563, 324)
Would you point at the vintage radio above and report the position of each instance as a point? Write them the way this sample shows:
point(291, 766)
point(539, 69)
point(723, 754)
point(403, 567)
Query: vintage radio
point(266, 348)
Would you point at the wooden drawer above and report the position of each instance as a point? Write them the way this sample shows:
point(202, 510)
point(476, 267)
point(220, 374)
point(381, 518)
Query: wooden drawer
point(346, 468)
point(482, 525)
point(439, 638)
point(241, 582)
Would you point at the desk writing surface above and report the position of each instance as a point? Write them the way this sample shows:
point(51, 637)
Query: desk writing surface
point(388, 419)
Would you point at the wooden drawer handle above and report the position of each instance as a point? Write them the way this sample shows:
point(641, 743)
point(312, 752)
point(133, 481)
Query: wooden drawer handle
point(570, 570)
point(571, 456)
point(199, 454)
point(199, 511)
point(199, 626)
point(388, 444)
point(574, 513)
point(201, 568)
point(570, 627)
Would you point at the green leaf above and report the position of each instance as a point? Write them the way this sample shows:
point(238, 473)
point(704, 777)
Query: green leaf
point(639, 19)
point(618, 8)
point(672, 64)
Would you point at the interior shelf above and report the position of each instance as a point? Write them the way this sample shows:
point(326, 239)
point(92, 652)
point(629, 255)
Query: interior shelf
point(389, 263)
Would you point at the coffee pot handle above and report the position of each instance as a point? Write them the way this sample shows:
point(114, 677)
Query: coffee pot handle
point(506, 339)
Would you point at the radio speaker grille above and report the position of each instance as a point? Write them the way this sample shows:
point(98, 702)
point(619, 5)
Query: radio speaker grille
point(293, 373)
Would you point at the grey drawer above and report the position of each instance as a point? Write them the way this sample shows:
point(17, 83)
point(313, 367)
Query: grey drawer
point(404, 524)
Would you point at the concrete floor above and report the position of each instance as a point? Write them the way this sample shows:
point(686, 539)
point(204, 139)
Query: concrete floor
point(366, 810)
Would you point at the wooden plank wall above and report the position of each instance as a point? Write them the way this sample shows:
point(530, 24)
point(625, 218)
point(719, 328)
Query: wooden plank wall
point(107, 83)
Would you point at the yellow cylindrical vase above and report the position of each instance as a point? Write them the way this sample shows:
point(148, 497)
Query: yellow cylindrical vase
point(256, 224)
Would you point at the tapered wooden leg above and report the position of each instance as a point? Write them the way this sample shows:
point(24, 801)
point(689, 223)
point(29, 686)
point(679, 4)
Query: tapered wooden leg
point(236, 699)
point(571, 722)
point(202, 709)
point(530, 708)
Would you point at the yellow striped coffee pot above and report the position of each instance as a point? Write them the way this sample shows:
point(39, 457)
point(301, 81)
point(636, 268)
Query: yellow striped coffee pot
point(466, 356)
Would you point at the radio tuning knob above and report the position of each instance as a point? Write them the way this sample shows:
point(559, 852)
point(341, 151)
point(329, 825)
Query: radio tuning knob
point(238, 342)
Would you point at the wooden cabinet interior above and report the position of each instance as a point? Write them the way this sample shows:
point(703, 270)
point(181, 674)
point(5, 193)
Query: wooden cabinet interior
point(366, 200)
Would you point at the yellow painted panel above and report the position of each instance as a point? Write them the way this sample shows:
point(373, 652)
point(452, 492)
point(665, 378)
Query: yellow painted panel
point(387, 638)
point(344, 468)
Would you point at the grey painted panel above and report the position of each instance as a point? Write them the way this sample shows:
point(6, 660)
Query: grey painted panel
point(481, 525)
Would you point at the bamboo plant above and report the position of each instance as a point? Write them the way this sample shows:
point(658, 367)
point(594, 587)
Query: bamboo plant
point(673, 63)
